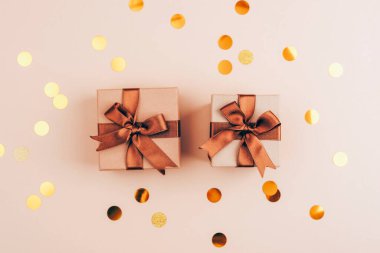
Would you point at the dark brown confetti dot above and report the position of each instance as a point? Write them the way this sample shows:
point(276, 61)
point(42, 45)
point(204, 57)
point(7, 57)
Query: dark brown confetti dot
point(142, 195)
point(114, 213)
point(219, 240)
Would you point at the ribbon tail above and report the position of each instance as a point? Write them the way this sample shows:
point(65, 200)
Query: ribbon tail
point(133, 158)
point(156, 157)
point(258, 153)
point(218, 142)
point(245, 158)
point(112, 139)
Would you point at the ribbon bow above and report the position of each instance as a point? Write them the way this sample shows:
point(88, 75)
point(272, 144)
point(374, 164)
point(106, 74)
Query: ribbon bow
point(136, 136)
point(251, 151)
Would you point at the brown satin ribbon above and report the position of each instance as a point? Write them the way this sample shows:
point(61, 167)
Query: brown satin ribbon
point(137, 135)
point(251, 150)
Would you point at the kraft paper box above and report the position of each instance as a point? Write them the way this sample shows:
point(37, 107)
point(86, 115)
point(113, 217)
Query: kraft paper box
point(151, 102)
point(228, 155)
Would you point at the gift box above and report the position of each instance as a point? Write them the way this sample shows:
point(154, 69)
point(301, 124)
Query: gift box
point(244, 131)
point(138, 129)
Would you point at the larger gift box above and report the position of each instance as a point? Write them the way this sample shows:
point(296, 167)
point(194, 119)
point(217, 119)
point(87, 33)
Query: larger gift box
point(138, 128)
point(244, 131)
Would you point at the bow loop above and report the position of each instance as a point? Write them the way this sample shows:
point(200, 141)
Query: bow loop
point(119, 115)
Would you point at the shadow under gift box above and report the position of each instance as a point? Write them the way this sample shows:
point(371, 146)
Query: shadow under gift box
point(227, 156)
point(152, 101)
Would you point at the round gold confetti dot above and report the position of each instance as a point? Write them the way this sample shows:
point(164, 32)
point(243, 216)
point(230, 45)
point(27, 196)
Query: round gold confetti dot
point(245, 57)
point(225, 67)
point(312, 116)
point(269, 188)
point(24, 59)
point(225, 42)
point(142, 195)
point(99, 42)
point(274, 198)
point(178, 21)
point(41, 128)
point(290, 53)
point(317, 212)
point(51, 89)
point(114, 213)
point(60, 101)
point(340, 159)
point(33, 202)
point(242, 7)
point(159, 219)
point(47, 189)
point(214, 195)
point(336, 70)
point(118, 64)
point(21, 153)
point(219, 240)
point(136, 5)
point(2, 150)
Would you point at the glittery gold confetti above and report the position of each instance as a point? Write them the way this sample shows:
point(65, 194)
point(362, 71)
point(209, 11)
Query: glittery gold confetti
point(214, 195)
point(142, 195)
point(317, 212)
point(118, 64)
point(225, 42)
point(219, 240)
point(274, 198)
point(136, 5)
point(114, 213)
point(178, 21)
point(225, 67)
point(21, 153)
point(33, 202)
point(269, 188)
point(51, 89)
point(245, 57)
point(290, 53)
point(2, 150)
point(99, 42)
point(159, 219)
point(24, 59)
point(312, 116)
point(47, 189)
point(336, 70)
point(41, 128)
point(340, 159)
point(242, 7)
point(60, 101)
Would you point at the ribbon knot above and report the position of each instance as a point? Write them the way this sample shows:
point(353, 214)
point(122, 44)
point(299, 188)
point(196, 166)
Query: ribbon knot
point(251, 151)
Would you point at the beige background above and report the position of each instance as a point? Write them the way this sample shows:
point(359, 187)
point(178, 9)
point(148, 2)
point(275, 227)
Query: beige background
point(58, 34)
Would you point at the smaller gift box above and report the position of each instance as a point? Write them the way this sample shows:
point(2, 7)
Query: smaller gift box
point(244, 131)
point(138, 129)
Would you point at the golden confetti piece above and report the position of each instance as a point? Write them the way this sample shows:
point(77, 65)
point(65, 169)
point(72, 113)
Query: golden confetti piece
point(99, 42)
point(41, 128)
point(51, 89)
point(245, 57)
point(340, 159)
point(214, 195)
point(159, 219)
point(242, 7)
point(60, 101)
point(225, 42)
point(21, 153)
point(33, 202)
point(274, 198)
point(114, 213)
point(136, 5)
point(178, 21)
point(24, 59)
point(118, 64)
point(219, 240)
point(2, 150)
point(290, 53)
point(336, 70)
point(142, 195)
point(317, 212)
point(47, 189)
point(225, 67)
point(312, 116)
point(269, 188)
